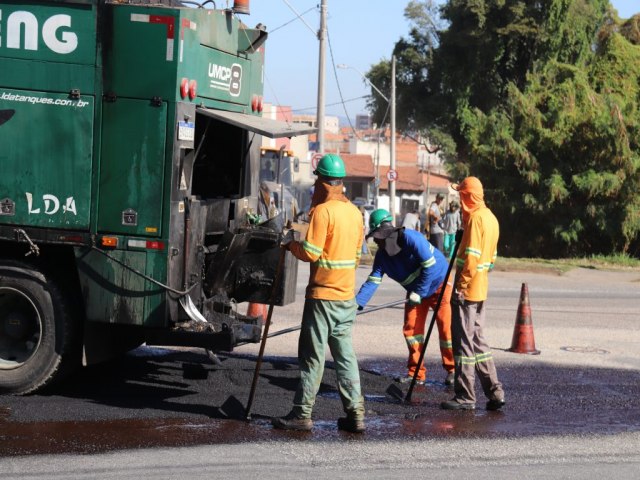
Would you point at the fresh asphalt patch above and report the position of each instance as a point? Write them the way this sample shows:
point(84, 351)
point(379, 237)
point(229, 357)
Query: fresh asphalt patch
point(152, 391)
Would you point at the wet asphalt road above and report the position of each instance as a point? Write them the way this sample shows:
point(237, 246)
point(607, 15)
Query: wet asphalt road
point(159, 398)
point(584, 389)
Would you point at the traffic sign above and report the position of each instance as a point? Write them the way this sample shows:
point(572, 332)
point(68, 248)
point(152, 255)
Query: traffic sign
point(392, 175)
point(315, 159)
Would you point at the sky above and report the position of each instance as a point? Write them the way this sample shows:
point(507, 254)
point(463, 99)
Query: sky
point(361, 33)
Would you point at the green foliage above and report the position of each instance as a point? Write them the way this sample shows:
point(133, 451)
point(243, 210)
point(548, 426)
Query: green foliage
point(615, 262)
point(540, 101)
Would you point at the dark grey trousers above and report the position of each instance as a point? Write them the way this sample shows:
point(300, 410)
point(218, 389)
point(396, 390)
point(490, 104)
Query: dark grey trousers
point(472, 354)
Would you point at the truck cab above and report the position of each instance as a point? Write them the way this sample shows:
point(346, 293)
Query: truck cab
point(276, 171)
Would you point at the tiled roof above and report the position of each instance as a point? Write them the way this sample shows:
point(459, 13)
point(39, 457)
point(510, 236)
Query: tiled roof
point(412, 179)
point(358, 165)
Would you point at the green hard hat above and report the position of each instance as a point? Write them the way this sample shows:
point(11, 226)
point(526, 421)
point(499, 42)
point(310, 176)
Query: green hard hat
point(378, 217)
point(331, 165)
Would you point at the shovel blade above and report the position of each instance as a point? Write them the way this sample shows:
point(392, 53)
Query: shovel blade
point(394, 391)
point(232, 408)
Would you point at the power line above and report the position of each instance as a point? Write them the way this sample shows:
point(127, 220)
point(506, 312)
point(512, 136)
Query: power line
point(335, 74)
point(298, 17)
point(331, 104)
point(315, 33)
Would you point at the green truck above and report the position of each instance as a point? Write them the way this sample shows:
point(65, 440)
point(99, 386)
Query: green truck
point(130, 137)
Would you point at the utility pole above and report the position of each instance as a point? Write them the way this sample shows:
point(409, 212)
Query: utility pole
point(322, 33)
point(377, 171)
point(392, 161)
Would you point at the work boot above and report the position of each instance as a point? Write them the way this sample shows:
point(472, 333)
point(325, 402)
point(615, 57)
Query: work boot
point(450, 380)
point(495, 404)
point(351, 425)
point(408, 379)
point(292, 422)
point(456, 405)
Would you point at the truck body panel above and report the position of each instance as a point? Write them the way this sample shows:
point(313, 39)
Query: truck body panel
point(51, 184)
point(130, 179)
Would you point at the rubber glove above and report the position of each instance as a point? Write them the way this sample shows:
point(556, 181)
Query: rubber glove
point(414, 299)
point(287, 239)
point(458, 297)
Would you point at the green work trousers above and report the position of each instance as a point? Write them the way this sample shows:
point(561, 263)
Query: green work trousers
point(328, 322)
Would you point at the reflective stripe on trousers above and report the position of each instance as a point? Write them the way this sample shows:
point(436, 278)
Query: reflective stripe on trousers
point(415, 317)
point(472, 354)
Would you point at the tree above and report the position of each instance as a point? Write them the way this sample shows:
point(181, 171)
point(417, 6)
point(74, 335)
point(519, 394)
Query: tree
point(413, 60)
point(562, 154)
point(541, 100)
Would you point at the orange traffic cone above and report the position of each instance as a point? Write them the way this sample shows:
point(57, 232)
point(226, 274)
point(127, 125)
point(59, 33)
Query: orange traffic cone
point(523, 341)
point(257, 310)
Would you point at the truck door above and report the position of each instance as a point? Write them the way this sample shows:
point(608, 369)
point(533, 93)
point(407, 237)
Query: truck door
point(132, 167)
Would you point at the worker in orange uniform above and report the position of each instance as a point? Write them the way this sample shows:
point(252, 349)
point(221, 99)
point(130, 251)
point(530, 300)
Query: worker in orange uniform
point(477, 253)
point(333, 247)
point(409, 259)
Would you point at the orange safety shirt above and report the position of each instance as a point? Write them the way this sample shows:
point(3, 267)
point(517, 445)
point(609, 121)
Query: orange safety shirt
point(477, 254)
point(333, 245)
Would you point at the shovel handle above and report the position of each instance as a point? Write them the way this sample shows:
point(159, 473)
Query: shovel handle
point(433, 319)
point(265, 335)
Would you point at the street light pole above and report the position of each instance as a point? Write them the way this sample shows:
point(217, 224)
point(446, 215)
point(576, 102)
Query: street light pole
point(392, 159)
point(322, 33)
point(364, 77)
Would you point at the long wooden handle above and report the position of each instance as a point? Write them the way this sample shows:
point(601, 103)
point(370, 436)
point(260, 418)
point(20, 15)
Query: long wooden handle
point(265, 334)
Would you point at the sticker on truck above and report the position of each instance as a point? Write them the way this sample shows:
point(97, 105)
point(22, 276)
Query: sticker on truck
point(228, 79)
point(186, 131)
point(33, 100)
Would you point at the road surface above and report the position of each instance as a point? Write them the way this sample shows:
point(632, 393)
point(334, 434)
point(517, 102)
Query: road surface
point(572, 412)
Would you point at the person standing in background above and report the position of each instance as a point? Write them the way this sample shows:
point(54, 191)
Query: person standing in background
point(412, 220)
point(451, 223)
point(365, 220)
point(436, 234)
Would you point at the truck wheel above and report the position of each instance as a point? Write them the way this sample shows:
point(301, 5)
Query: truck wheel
point(34, 329)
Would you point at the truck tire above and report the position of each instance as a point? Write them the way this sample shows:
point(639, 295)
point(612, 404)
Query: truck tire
point(35, 329)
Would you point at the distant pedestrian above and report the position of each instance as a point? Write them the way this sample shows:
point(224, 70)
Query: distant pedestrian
point(333, 247)
point(412, 220)
point(436, 234)
point(451, 223)
point(365, 222)
point(476, 254)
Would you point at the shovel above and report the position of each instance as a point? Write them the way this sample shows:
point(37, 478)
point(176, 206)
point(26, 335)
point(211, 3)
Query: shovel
point(433, 318)
point(265, 335)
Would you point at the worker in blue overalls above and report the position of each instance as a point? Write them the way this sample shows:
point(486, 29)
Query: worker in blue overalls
point(409, 259)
